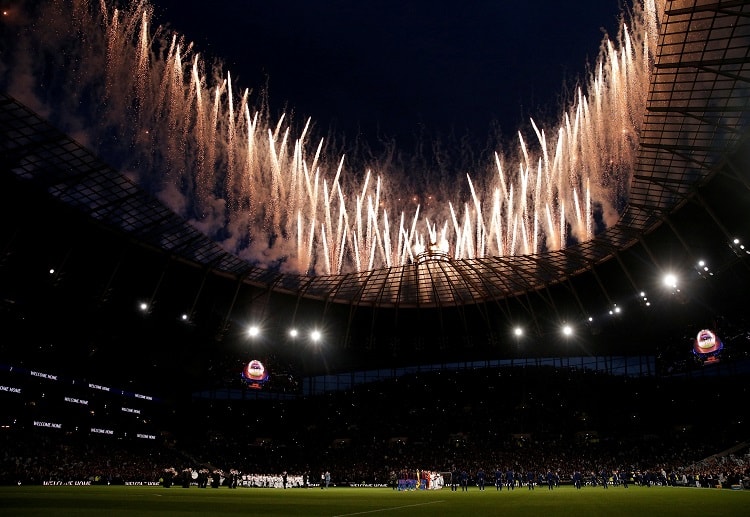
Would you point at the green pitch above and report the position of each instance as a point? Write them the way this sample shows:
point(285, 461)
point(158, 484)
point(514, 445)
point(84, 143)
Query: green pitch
point(131, 501)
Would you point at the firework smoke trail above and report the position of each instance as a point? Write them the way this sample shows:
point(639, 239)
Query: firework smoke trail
point(214, 156)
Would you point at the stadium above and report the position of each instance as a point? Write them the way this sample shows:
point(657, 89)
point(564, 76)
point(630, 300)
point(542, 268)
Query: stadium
point(141, 350)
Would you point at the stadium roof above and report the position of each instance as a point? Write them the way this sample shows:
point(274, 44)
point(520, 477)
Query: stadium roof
point(688, 200)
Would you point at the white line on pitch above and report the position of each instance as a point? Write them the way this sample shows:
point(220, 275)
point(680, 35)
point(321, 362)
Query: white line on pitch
point(387, 509)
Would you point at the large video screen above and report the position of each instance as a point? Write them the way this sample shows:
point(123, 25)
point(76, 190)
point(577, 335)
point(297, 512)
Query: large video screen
point(255, 374)
point(707, 346)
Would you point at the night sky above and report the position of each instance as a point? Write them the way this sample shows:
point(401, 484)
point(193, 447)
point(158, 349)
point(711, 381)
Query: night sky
point(402, 68)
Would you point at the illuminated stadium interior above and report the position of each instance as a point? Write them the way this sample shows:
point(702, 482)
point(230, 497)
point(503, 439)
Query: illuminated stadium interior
point(83, 246)
point(135, 343)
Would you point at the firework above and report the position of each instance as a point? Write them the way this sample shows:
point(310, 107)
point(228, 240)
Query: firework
point(268, 191)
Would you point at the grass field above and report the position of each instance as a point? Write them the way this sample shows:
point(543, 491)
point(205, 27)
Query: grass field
point(131, 501)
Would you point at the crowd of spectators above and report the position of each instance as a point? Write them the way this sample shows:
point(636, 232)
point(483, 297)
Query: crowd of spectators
point(37, 456)
point(529, 420)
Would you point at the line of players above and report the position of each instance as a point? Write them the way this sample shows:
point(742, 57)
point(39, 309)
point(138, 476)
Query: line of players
point(510, 479)
point(202, 477)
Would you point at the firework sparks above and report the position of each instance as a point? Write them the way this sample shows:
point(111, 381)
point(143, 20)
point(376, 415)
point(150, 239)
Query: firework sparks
point(279, 200)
